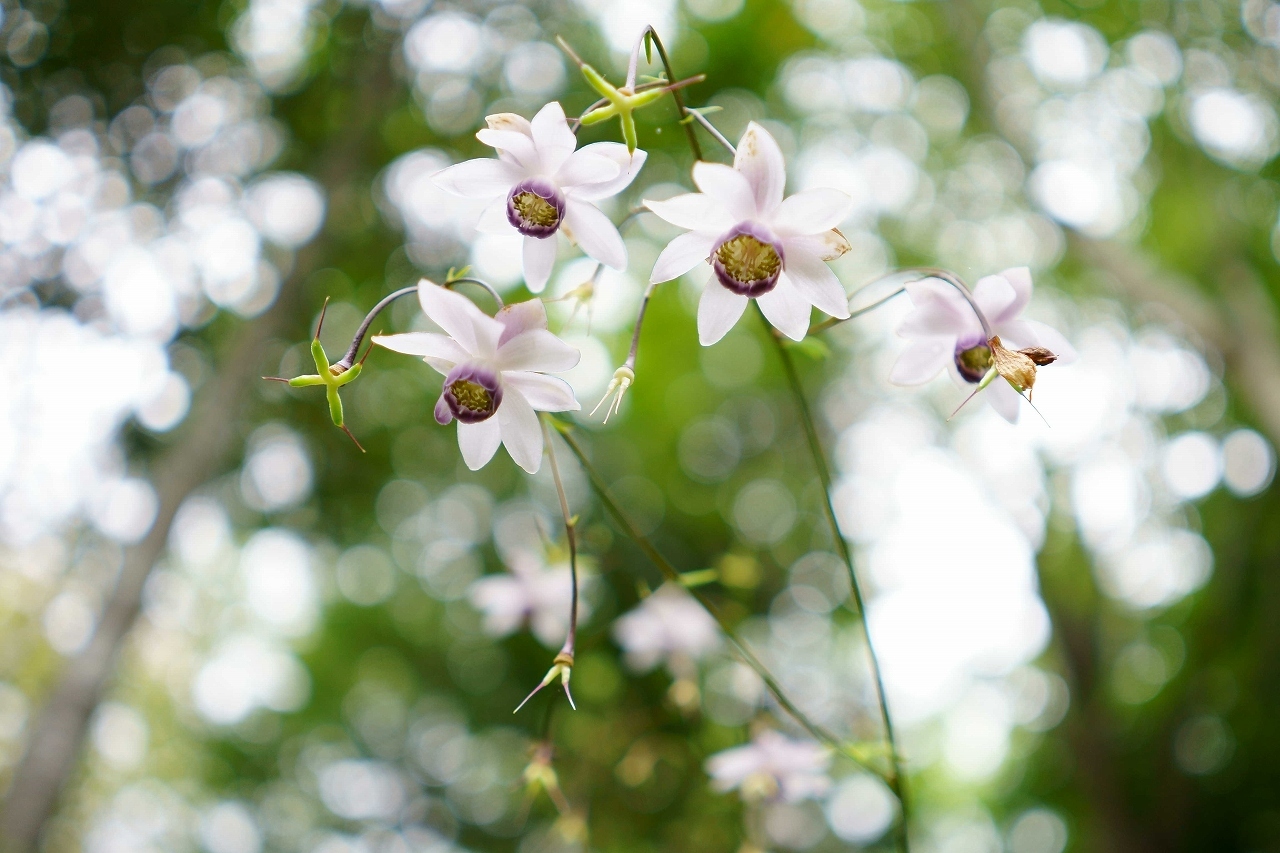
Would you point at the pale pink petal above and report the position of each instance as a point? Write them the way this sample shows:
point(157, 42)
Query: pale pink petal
point(520, 431)
point(537, 350)
point(483, 178)
point(460, 318)
point(539, 258)
point(594, 233)
point(478, 442)
point(828, 245)
point(811, 212)
point(515, 145)
point(1052, 340)
point(521, 317)
point(815, 280)
point(1019, 279)
point(629, 166)
point(584, 167)
point(786, 309)
point(718, 309)
point(424, 344)
point(509, 121)
point(727, 186)
point(544, 393)
point(939, 310)
point(694, 211)
point(681, 255)
point(759, 159)
point(552, 137)
point(1004, 399)
point(493, 220)
point(922, 360)
point(996, 297)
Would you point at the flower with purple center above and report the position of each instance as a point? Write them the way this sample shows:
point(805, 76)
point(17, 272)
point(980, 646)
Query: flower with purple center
point(772, 767)
point(540, 184)
point(760, 245)
point(943, 332)
point(495, 373)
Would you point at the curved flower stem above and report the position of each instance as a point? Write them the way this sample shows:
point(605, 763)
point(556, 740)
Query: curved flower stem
point(832, 321)
point(668, 571)
point(924, 272)
point(896, 779)
point(651, 35)
point(570, 532)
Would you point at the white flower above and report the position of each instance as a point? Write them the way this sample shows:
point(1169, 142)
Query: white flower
point(532, 591)
point(540, 185)
point(772, 767)
point(495, 373)
point(759, 244)
point(668, 626)
point(944, 332)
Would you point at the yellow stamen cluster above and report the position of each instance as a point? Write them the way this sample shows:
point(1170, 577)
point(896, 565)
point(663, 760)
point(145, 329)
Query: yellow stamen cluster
point(747, 259)
point(535, 209)
point(471, 395)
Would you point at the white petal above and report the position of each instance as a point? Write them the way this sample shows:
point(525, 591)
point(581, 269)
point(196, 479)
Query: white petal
point(718, 309)
point(681, 255)
point(1004, 399)
point(509, 121)
point(939, 310)
point(759, 159)
point(521, 317)
point(996, 297)
point(478, 442)
point(694, 211)
point(593, 231)
point(922, 360)
point(585, 167)
point(629, 166)
point(520, 431)
point(460, 319)
point(1019, 279)
point(811, 212)
point(424, 344)
point(493, 220)
point(828, 245)
point(483, 178)
point(787, 309)
point(537, 350)
point(552, 137)
point(815, 280)
point(544, 393)
point(727, 186)
point(539, 258)
point(518, 146)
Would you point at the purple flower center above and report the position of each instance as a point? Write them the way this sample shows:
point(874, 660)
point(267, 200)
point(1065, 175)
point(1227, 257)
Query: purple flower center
point(973, 358)
point(535, 207)
point(748, 259)
point(471, 394)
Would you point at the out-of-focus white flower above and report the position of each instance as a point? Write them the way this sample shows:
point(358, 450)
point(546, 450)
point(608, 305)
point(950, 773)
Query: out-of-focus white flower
point(492, 366)
point(772, 767)
point(532, 592)
point(668, 626)
point(944, 332)
point(760, 245)
point(540, 185)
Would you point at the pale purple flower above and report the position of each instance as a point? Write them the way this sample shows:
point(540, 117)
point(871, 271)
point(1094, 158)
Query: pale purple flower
point(772, 767)
point(944, 332)
point(669, 626)
point(495, 373)
point(531, 592)
point(540, 185)
point(760, 245)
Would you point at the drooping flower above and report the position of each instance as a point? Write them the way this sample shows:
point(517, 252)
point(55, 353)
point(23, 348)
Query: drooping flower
point(772, 767)
point(667, 627)
point(760, 245)
point(944, 332)
point(495, 371)
point(532, 591)
point(540, 185)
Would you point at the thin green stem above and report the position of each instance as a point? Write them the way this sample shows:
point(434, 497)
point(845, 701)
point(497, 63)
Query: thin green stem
point(896, 779)
point(570, 532)
point(670, 573)
point(652, 34)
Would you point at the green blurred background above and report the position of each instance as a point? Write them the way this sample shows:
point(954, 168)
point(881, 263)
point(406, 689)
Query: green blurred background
point(226, 629)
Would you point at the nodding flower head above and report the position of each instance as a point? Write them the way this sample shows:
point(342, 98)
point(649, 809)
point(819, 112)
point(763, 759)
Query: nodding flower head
point(535, 208)
point(748, 259)
point(471, 394)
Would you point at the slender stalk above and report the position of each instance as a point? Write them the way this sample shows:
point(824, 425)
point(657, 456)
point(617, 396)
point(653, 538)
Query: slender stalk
point(571, 536)
point(832, 321)
point(897, 779)
point(652, 34)
point(711, 129)
point(748, 657)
